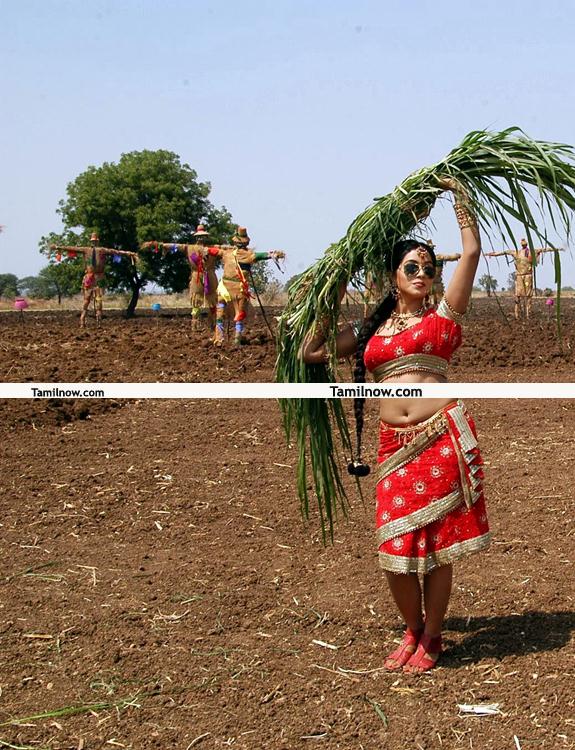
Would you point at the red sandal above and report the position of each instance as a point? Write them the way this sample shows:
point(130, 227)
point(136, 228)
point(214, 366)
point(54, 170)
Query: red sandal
point(425, 656)
point(405, 651)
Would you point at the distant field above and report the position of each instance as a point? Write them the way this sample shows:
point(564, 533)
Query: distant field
point(175, 301)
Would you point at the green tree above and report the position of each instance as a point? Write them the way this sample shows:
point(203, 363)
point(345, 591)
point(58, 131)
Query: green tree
point(511, 281)
point(263, 274)
point(54, 280)
point(147, 195)
point(488, 283)
point(8, 285)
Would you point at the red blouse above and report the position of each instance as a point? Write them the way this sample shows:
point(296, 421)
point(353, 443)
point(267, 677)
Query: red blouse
point(434, 336)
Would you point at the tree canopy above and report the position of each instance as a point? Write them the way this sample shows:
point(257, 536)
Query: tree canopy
point(54, 280)
point(488, 283)
point(147, 195)
point(8, 285)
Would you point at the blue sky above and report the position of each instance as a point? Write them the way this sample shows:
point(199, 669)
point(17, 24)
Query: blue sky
point(298, 113)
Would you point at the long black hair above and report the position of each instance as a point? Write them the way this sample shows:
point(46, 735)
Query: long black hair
point(376, 319)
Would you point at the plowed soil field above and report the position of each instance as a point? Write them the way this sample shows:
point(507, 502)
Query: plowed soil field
point(159, 589)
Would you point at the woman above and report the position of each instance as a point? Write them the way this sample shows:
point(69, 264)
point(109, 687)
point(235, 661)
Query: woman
point(430, 505)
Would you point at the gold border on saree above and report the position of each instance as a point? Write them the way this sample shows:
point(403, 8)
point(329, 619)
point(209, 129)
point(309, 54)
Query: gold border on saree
point(419, 518)
point(402, 564)
point(423, 434)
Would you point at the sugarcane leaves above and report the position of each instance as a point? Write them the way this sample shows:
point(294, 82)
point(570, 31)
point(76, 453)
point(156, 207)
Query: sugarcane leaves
point(315, 446)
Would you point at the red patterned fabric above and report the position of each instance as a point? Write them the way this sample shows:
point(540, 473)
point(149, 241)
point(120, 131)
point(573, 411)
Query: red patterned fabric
point(432, 335)
point(422, 484)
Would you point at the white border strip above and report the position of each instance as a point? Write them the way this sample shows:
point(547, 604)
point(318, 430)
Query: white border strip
point(286, 390)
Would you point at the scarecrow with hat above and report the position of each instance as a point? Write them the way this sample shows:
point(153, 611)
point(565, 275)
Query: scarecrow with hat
point(525, 261)
point(93, 281)
point(234, 287)
point(203, 280)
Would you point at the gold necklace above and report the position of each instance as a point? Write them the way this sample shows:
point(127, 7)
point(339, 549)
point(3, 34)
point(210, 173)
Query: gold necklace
point(400, 319)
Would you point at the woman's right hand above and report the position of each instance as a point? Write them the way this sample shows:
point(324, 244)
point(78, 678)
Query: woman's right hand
point(445, 182)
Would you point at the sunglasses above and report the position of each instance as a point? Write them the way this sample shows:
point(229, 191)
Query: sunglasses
point(411, 269)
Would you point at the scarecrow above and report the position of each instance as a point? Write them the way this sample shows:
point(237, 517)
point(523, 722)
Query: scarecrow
point(93, 281)
point(234, 286)
point(525, 262)
point(203, 280)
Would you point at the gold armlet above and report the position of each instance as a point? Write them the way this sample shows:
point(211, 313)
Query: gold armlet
point(465, 218)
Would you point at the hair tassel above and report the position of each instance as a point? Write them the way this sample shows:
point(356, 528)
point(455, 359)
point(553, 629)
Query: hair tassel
point(358, 469)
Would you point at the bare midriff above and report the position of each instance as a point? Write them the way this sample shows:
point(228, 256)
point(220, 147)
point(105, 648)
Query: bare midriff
point(404, 411)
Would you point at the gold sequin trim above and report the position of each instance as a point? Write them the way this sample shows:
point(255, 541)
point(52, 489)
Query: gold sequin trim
point(423, 565)
point(411, 363)
point(419, 518)
point(429, 430)
point(444, 310)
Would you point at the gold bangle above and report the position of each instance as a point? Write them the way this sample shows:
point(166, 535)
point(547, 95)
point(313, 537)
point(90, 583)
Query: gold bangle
point(465, 218)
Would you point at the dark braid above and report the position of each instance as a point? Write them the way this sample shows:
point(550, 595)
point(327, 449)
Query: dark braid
point(377, 318)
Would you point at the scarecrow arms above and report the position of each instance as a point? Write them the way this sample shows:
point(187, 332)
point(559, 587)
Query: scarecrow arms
point(270, 255)
point(540, 250)
point(314, 351)
point(459, 290)
point(126, 253)
point(165, 247)
point(84, 250)
point(447, 258)
point(537, 250)
point(73, 250)
point(244, 255)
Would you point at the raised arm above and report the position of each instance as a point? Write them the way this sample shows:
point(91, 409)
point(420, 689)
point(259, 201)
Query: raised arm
point(496, 255)
point(459, 289)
